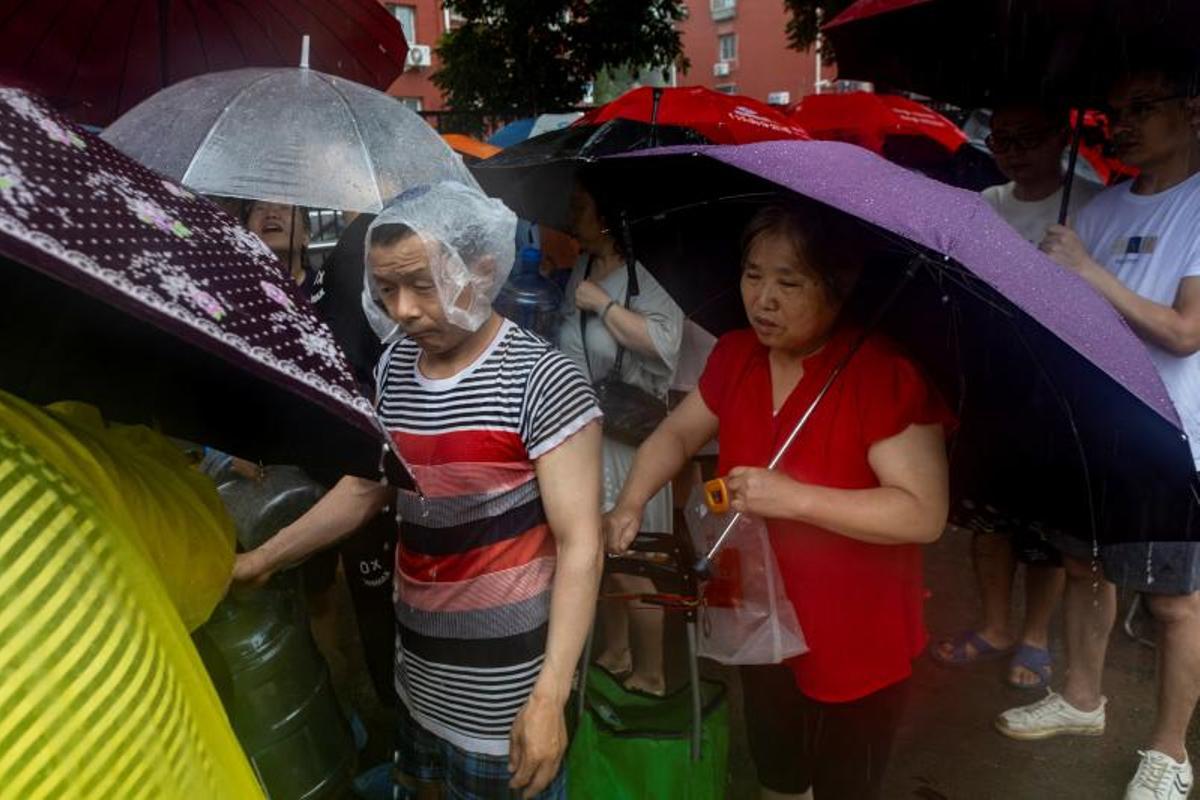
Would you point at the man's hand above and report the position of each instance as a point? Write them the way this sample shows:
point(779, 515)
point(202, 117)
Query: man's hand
point(762, 492)
point(536, 745)
point(1063, 245)
point(621, 528)
point(590, 297)
point(252, 569)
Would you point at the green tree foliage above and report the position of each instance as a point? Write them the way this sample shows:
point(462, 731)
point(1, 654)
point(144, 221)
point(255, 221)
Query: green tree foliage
point(806, 21)
point(524, 57)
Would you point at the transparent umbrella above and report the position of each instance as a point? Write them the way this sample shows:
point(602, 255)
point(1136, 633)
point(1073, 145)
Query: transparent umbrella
point(289, 135)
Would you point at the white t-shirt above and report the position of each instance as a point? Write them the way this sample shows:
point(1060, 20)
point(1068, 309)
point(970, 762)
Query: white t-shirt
point(1151, 243)
point(1031, 218)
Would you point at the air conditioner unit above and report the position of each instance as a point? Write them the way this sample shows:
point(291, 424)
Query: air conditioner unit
point(419, 55)
point(721, 69)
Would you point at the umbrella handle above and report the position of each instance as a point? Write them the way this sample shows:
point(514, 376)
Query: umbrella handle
point(716, 496)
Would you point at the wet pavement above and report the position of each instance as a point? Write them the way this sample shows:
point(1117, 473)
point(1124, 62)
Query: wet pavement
point(947, 748)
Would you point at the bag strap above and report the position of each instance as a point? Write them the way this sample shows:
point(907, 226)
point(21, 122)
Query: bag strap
point(631, 291)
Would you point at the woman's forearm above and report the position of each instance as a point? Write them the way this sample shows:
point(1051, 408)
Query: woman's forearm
point(883, 515)
point(658, 460)
point(344, 509)
point(630, 329)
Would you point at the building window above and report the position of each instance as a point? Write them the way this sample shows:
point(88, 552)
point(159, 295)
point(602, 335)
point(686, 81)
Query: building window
point(723, 9)
point(407, 17)
point(413, 103)
point(727, 47)
point(726, 88)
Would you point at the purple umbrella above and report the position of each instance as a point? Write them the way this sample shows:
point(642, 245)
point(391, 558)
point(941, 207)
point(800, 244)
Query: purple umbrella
point(123, 289)
point(1059, 399)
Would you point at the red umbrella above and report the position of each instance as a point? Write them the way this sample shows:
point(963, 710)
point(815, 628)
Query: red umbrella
point(96, 61)
point(719, 118)
point(877, 122)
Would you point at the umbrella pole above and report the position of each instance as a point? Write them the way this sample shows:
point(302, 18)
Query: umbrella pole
point(703, 566)
point(1072, 159)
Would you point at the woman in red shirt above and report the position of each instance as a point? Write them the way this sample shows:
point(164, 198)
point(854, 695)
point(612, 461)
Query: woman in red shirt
point(860, 489)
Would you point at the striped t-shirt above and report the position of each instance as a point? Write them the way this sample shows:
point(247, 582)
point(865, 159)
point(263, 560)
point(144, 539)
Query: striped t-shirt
point(476, 557)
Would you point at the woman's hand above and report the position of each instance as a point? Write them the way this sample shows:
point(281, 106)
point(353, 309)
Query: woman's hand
point(762, 492)
point(590, 297)
point(621, 528)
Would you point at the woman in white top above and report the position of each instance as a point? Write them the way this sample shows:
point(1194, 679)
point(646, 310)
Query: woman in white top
point(649, 331)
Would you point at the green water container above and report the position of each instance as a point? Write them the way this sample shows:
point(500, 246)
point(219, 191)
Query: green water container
point(272, 679)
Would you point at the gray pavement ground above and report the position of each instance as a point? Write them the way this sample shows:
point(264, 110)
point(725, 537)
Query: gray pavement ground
point(947, 748)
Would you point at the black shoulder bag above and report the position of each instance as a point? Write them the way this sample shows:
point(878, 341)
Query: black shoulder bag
point(630, 413)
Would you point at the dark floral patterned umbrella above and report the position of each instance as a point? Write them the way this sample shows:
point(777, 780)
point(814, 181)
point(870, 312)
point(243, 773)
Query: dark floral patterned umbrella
point(125, 290)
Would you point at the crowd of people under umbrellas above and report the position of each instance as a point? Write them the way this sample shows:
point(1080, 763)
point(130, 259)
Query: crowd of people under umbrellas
point(525, 483)
point(521, 486)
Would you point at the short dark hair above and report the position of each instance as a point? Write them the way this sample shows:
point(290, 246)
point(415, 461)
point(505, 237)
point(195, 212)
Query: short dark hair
point(389, 233)
point(468, 246)
point(826, 240)
point(1055, 113)
point(1178, 69)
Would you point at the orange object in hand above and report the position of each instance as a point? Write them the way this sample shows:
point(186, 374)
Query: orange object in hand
point(716, 496)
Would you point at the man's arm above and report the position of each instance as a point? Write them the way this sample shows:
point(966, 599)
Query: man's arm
point(569, 483)
point(344, 509)
point(1174, 328)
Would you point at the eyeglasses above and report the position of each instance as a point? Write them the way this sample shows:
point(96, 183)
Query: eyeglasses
point(1002, 143)
point(1138, 110)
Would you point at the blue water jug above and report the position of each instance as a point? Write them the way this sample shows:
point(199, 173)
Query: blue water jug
point(530, 299)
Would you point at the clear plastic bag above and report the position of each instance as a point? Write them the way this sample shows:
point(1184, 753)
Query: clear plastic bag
point(746, 616)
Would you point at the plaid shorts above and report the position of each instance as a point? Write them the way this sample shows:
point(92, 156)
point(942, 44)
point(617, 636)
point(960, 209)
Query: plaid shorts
point(1171, 568)
point(426, 757)
point(1030, 540)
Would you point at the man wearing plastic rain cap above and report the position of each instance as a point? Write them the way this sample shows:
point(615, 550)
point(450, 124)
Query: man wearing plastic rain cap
point(499, 561)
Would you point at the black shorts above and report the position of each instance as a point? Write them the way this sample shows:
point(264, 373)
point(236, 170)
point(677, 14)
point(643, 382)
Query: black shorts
point(1030, 540)
point(839, 750)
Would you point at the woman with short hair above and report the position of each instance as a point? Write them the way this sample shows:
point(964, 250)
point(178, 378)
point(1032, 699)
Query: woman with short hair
point(859, 490)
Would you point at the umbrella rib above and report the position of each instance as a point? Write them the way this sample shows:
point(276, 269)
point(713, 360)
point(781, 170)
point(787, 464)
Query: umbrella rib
point(358, 130)
point(125, 63)
point(266, 37)
point(17, 10)
point(1083, 460)
point(217, 122)
point(91, 35)
point(333, 34)
point(218, 9)
point(199, 39)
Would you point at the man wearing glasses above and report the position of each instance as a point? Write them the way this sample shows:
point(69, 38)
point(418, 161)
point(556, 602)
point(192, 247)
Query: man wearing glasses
point(1027, 139)
point(1138, 244)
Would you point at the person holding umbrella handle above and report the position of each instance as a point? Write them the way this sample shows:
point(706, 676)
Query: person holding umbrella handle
point(862, 486)
point(1137, 245)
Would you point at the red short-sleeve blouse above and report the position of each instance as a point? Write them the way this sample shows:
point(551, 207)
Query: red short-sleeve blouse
point(859, 604)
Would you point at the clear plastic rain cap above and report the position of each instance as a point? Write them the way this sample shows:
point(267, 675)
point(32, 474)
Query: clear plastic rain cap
point(470, 240)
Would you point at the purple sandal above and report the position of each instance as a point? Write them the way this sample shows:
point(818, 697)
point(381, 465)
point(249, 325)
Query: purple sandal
point(959, 657)
point(1035, 659)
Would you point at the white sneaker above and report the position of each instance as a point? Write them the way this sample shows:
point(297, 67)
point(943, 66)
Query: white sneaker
point(1051, 716)
point(1160, 777)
